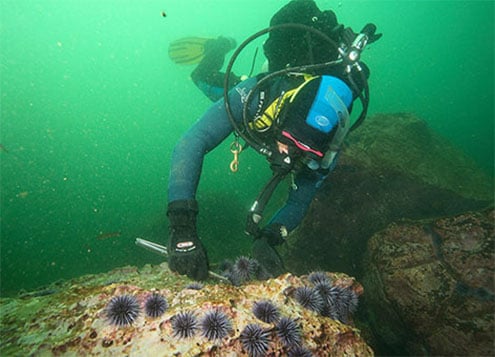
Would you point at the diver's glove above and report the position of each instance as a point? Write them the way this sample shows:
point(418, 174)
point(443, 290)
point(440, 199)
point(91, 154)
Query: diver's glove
point(348, 35)
point(274, 233)
point(370, 29)
point(186, 254)
point(264, 252)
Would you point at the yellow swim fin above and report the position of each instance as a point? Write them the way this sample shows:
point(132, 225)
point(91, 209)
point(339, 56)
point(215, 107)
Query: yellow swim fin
point(187, 50)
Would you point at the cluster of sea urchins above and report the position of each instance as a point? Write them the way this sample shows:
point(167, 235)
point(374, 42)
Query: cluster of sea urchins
point(321, 296)
point(123, 310)
point(256, 339)
point(329, 300)
point(214, 324)
point(244, 269)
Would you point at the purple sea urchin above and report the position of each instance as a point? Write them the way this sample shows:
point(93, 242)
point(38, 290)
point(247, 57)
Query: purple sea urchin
point(324, 289)
point(299, 351)
point(122, 310)
point(288, 332)
point(309, 298)
point(255, 340)
point(244, 268)
point(233, 277)
point(345, 302)
point(184, 324)
point(155, 305)
point(225, 265)
point(215, 325)
point(353, 300)
point(266, 311)
point(195, 285)
point(319, 277)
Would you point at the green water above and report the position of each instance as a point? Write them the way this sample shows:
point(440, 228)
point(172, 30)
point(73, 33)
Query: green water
point(91, 107)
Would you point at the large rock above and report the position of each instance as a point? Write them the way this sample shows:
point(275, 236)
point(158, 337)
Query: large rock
point(393, 167)
point(70, 318)
point(430, 286)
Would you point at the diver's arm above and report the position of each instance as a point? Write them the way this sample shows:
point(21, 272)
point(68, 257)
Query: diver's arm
point(206, 134)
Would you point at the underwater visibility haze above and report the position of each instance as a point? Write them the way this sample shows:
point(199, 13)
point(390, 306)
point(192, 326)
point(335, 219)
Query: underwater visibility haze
point(91, 107)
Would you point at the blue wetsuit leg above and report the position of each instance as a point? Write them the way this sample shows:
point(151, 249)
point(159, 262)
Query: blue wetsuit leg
point(308, 182)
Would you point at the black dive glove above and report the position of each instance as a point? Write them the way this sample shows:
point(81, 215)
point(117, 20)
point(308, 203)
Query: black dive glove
point(186, 254)
point(348, 35)
point(263, 251)
point(369, 30)
point(191, 261)
point(274, 233)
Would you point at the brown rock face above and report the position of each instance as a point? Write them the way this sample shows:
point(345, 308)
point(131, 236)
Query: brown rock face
point(430, 285)
point(394, 168)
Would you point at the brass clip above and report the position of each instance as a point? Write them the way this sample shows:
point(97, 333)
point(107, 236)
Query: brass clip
point(235, 148)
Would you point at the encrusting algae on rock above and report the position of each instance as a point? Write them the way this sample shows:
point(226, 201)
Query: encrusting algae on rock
point(137, 313)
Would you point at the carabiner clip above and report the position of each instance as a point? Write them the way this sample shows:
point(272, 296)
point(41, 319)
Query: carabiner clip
point(235, 148)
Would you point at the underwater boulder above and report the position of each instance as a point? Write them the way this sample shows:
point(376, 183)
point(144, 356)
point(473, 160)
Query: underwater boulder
point(155, 312)
point(430, 286)
point(404, 143)
point(393, 167)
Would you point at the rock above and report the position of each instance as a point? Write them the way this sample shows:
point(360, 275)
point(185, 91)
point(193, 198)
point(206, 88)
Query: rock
point(404, 144)
point(430, 286)
point(71, 319)
point(394, 167)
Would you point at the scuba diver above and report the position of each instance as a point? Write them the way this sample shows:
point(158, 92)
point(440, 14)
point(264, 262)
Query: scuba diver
point(296, 115)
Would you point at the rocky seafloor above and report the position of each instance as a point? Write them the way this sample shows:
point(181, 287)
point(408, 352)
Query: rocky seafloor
point(72, 318)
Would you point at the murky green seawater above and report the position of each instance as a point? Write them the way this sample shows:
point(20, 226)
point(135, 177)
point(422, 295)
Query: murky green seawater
point(91, 107)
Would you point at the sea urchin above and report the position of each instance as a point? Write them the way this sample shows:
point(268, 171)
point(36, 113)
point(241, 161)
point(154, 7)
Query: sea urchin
point(299, 351)
point(155, 305)
point(309, 298)
point(255, 340)
point(345, 302)
point(288, 332)
point(122, 310)
point(215, 324)
point(266, 311)
point(195, 285)
point(319, 277)
point(244, 268)
point(184, 324)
